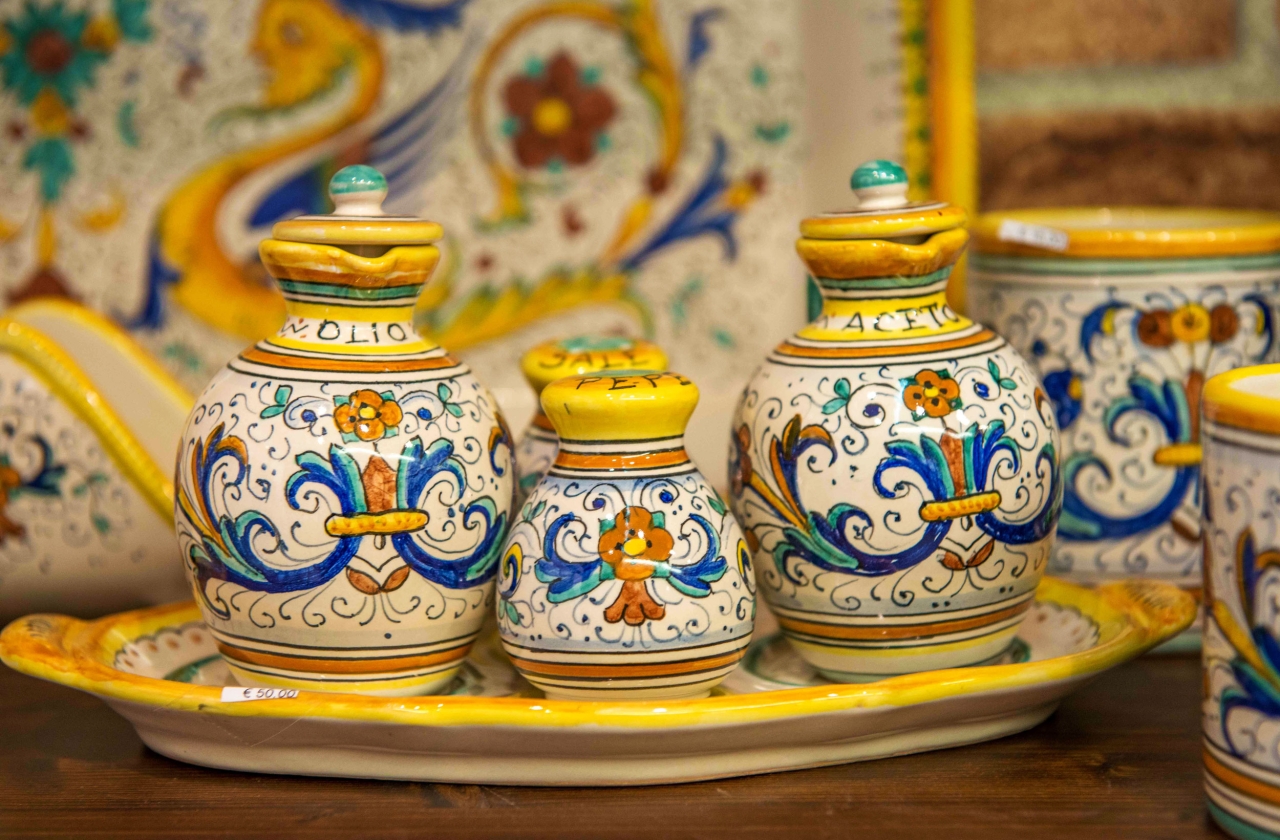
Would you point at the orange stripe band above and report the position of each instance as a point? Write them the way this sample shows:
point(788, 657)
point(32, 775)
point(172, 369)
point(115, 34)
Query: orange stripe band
point(621, 460)
point(542, 421)
point(1239, 781)
point(788, 349)
point(255, 354)
point(318, 665)
point(623, 671)
point(902, 631)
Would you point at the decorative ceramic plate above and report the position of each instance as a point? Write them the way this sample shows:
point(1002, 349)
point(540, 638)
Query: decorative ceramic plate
point(158, 667)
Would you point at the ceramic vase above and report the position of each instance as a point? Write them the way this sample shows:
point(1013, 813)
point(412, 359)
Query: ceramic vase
point(345, 485)
point(894, 464)
point(625, 575)
point(1241, 642)
point(1125, 313)
point(536, 449)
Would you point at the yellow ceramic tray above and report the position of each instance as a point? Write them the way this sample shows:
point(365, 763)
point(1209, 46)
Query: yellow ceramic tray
point(158, 668)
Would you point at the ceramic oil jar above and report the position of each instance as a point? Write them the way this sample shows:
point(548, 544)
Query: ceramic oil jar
point(625, 575)
point(894, 463)
point(1241, 643)
point(344, 486)
point(552, 360)
point(1125, 313)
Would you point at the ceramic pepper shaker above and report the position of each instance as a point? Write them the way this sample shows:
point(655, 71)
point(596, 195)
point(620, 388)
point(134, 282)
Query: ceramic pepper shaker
point(625, 575)
point(344, 486)
point(552, 360)
point(894, 463)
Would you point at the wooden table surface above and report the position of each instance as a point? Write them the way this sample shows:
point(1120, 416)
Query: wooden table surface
point(1121, 758)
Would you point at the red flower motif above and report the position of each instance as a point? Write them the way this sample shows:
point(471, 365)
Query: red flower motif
point(558, 115)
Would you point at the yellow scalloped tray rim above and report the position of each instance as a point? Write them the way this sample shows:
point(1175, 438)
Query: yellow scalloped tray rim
point(1132, 617)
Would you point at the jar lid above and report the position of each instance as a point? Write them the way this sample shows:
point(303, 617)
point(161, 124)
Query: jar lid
point(883, 209)
point(554, 360)
point(620, 405)
point(1127, 232)
point(357, 193)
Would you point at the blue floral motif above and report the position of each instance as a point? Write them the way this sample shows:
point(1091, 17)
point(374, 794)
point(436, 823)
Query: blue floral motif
point(230, 548)
point(1167, 403)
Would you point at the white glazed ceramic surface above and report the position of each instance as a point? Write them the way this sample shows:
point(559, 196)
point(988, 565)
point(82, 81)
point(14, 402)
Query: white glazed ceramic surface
point(1241, 644)
point(1124, 356)
point(269, 468)
point(833, 474)
point(568, 628)
point(535, 452)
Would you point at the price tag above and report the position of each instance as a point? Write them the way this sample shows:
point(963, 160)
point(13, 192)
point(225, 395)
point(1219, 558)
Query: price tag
point(236, 694)
point(1037, 236)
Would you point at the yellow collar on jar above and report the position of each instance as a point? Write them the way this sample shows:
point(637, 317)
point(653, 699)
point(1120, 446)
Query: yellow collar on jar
point(1245, 398)
point(1128, 232)
point(620, 405)
point(554, 360)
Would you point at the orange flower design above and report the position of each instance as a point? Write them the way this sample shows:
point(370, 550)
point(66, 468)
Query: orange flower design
point(368, 415)
point(1223, 323)
point(931, 393)
point(557, 116)
point(633, 548)
point(1155, 328)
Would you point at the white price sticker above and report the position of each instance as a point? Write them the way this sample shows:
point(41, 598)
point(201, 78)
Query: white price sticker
point(236, 694)
point(1037, 236)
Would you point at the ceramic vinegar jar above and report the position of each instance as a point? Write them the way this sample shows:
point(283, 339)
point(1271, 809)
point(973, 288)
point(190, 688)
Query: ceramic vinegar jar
point(1125, 312)
point(552, 360)
point(894, 464)
point(343, 487)
point(624, 575)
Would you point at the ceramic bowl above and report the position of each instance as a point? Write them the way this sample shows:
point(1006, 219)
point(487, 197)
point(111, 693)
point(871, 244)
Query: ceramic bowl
point(89, 427)
point(1241, 650)
point(1125, 313)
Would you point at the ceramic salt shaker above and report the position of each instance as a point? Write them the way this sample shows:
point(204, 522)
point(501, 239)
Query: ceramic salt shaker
point(625, 575)
point(894, 464)
point(344, 486)
point(552, 360)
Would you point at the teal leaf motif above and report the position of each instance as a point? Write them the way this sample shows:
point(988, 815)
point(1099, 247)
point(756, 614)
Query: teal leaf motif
point(659, 520)
point(281, 402)
point(841, 387)
point(606, 525)
point(716, 505)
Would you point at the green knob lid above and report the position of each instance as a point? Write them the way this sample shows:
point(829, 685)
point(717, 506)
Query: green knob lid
point(357, 191)
point(880, 185)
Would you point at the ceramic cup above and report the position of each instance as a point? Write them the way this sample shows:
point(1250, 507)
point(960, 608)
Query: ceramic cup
point(1241, 646)
point(894, 463)
point(624, 575)
point(1125, 313)
point(344, 486)
point(552, 360)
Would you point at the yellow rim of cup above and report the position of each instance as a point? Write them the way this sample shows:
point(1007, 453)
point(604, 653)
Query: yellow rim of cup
point(1227, 405)
point(1136, 232)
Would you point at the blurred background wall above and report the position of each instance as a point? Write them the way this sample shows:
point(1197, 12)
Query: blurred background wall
point(1128, 101)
